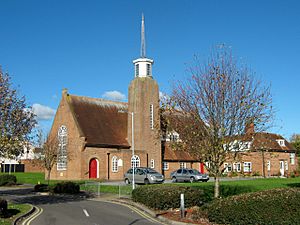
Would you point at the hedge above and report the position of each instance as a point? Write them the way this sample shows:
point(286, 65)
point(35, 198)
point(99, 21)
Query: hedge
point(7, 179)
point(277, 206)
point(66, 187)
point(164, 197)
point(3, 207)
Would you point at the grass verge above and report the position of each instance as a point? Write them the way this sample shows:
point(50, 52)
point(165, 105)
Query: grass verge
point(13, 212)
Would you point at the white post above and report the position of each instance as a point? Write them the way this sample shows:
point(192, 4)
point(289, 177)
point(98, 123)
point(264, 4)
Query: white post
point(132, 146)
point(182, 205)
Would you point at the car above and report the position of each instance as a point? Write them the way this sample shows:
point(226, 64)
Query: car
point(191, 175)
point(143, 175)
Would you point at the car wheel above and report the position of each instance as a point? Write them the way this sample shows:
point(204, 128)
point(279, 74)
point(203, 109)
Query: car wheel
point(204, 180)
point(174, 180)
point(146, 181)
point(192, 179)
point(127, 181)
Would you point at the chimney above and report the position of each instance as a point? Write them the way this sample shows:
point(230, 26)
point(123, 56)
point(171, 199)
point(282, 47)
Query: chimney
point(250, 128)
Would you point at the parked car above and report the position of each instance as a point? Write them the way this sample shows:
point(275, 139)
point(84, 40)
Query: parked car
point(143, 175)
point(191, 175)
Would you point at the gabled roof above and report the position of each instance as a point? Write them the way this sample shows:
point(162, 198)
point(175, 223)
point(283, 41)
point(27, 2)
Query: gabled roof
point(102, 122)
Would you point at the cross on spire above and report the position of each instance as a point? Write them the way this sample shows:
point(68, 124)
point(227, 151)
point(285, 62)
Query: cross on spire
point(143, 41)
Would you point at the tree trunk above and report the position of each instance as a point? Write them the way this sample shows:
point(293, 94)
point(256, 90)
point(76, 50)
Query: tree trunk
point(263, 164)
point(48, 176)
point(217, 187)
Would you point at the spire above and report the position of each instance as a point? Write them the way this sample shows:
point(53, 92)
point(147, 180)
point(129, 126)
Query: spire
point(143, 41)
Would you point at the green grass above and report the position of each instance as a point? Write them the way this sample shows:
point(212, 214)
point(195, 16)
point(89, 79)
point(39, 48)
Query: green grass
point(13, 212)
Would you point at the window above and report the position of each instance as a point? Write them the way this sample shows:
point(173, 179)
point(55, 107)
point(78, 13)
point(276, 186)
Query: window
point(114, 164)
point(165, 166)
point(292, 158)
point(151, 117)
point(281, 142)
point(174, 136)
point(269, 165)
point(62, 148)
point(182, 165)
point(247, 167)
point(286, 165)
point(152, 163)
point(237, 167)
point(228, 167)
point(148, 69)
point(135, 161)
point(137, 70)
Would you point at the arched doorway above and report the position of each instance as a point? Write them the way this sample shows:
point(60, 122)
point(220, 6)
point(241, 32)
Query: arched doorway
point(93, 168)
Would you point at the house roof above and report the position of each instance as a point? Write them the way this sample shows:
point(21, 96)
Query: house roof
point(102, 122)
point(176, 155)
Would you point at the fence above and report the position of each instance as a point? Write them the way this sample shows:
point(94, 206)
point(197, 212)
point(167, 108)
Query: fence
point(118, 190)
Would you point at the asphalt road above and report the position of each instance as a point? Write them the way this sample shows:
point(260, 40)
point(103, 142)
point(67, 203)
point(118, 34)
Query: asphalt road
point(89, 213)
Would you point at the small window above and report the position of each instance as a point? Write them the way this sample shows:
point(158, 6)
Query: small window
point(182, 165)
point(292, 158)
point(165, 166)
point(286, 165)
point(114, 164)
point(151, 117)
point(237, 167)
point(269, 165)
point(148, 70)
point(152, 163)
point(247, 167)
point(281, 142)
point(137, 70)
point(228, 167)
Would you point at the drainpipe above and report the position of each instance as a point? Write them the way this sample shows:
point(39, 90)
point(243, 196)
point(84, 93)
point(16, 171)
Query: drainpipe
point(108, 166)
point(147, 160)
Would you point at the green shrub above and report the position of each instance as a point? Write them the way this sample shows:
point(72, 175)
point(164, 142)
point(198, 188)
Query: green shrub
point(66, 187)
point(3, 206)
point(41, 188)
point(7, 179)
point(168, 196)
point(277, 206)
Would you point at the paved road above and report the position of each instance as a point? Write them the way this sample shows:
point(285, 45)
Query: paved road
point(89, 213)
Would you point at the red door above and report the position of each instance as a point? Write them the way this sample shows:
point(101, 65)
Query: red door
point(201, 168)
point(93, 168)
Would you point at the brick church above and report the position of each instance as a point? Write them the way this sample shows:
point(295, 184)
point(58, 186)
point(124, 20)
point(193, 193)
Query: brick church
point(102, 139)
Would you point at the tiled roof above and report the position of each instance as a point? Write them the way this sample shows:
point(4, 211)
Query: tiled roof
point(170, 154)
point(102, 122)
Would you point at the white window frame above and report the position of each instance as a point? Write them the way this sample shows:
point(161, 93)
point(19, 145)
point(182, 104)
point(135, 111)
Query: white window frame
point(228, 167)
point(237, 167)
point(292, 158)
point(62, 148)
point(152, 164)
point(269, 165)
point(281, 142)
point(137, 70)
point(247, 167)
point(151, 117)
point(182, 165)
point(114, 162)
point(135, 161)
point(286, 165)
point(165, 166)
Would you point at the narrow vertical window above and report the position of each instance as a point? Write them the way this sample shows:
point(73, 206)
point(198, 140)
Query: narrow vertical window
point(148, 70)
point(292, 158)
point(269, 165)
point(137, 70)
point(165, 166)
point(114, 164)
point(152, 164)
point(151, 117)
point(62, 148)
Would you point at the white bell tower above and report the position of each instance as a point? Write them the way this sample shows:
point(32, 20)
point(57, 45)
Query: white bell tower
point(143, 65)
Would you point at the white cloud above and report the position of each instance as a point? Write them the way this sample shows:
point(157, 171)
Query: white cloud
point(43, 112)
point(114, 95)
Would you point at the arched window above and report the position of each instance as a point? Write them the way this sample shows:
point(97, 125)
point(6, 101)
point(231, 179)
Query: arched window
point(114, 164)
point(135, 161)
point(62, 148)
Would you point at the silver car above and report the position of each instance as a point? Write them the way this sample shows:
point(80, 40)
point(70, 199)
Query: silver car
point(143, 175)
point(191, 175)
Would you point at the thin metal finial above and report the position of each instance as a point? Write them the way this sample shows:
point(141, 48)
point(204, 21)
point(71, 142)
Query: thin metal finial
point(143, 41)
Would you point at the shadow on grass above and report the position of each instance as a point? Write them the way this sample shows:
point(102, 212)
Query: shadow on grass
point(10, 213)
point(294, 185)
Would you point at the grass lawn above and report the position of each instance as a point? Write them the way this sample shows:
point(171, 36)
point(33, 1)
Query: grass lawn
point(14, 211)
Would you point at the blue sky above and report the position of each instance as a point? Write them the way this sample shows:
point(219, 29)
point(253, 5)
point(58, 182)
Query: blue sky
point(88, 46)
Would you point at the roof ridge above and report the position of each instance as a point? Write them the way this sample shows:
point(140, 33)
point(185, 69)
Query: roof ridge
point(99, 99)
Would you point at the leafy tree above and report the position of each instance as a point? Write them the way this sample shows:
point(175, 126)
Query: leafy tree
point(16, 119)
point(295, 140)
point(211, 107)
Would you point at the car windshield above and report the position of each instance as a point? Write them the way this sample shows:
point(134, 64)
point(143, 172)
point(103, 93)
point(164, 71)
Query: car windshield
point(148, 170)
point(194, 172)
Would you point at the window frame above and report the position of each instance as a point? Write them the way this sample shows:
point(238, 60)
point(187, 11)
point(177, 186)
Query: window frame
point(114, 164)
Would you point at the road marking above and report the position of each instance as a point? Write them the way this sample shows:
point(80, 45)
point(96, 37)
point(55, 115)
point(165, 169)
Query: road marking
point(38, 212)
point(86, 213)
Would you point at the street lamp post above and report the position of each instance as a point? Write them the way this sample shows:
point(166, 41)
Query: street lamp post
point(132, 147)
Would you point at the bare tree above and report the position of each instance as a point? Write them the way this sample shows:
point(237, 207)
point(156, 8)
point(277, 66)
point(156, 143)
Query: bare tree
point(211, 108)
point(16, 120)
